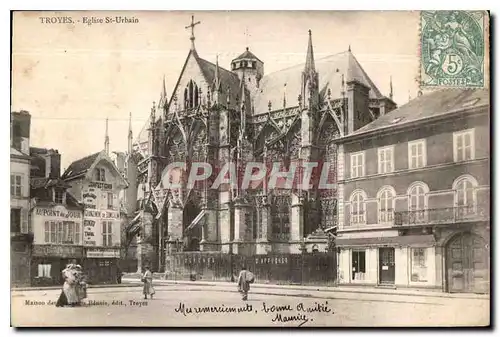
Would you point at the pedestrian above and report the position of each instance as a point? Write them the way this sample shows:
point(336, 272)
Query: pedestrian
point(118, 275)
point(244, 280)
point(81, 284)
point(147, 279)
point(69, 295)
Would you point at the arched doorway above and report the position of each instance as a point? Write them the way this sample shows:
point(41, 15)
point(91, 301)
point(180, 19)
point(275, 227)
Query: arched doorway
point(192, 236)
point(467, 264)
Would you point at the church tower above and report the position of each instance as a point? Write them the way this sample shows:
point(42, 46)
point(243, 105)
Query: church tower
point(250, 70)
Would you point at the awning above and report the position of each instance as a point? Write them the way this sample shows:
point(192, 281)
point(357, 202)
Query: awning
point(406, 240)
point(196, 220)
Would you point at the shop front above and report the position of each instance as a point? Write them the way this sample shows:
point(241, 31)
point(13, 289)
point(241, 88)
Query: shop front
point(48, 261)
point(396, 261)
point(101, 265)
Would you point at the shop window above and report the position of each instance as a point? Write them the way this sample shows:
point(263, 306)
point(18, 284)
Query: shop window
point(44, 270)
point(104, 263)
point(358, 265)
point(419, 265)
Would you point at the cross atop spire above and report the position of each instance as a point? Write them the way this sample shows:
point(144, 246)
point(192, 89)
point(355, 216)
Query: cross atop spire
point(246, 36)
point(192, 25)
point(310, 55)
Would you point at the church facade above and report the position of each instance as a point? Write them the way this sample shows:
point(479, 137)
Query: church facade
point(219, 116)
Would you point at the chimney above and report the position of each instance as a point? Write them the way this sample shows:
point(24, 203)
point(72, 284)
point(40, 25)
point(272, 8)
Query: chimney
point(52, 164)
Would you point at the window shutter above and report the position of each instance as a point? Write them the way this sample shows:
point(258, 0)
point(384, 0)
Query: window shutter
point(24, 221)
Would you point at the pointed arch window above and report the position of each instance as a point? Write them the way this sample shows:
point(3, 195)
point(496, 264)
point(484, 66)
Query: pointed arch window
point(465, 195)
point(417, 202)
point(385, 200)
point(358, 208)
point(191, 97)
point(280, 215)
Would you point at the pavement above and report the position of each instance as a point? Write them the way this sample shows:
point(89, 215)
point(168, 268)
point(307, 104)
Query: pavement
point(273, 288)
point(220, 305)
point(270, 288)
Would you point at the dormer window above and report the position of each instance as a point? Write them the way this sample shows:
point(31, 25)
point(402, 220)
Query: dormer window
point(58, 196)
point(100, 174)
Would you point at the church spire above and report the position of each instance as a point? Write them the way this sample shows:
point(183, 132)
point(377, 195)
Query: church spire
point(130, 135)
point(106, 139)
point(390, 84)
point(162, 104)
point(310, 80)
point(310, 56)
point(216, 76)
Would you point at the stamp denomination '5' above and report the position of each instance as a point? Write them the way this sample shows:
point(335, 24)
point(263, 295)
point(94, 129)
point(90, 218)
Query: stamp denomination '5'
point(452, 49)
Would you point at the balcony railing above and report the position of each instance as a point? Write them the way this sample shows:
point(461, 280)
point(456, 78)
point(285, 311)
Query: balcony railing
point(441, 215)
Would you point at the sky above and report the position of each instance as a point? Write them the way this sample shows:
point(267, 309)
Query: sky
point(72, 76)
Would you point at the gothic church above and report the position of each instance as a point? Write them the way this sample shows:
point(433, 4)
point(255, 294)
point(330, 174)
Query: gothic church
point(217, 115)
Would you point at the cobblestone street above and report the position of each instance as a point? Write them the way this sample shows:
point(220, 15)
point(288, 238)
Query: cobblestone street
point(172, 305)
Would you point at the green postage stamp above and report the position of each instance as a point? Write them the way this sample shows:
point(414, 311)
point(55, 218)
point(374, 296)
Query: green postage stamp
point(453, 49)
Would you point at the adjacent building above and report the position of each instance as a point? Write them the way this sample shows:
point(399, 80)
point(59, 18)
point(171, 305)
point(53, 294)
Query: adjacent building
point(414, 191)
point(97, 183)
point(56, 219)
point(20, 232)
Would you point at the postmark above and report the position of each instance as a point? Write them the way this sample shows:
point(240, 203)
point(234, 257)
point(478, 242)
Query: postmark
point(452, 49)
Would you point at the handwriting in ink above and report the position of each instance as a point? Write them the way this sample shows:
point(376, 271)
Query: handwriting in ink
point(212, 309)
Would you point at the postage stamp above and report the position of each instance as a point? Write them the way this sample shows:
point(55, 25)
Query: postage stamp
point(452, 48)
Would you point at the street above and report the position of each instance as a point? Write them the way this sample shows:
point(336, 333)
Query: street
point(219, 306)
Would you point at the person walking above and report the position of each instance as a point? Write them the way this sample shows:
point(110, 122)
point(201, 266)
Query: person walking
point(81, 284)
point(245, 278)
point(147, 279)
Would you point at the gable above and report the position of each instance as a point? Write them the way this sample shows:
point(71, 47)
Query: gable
point(190, 71)
point(112, 174)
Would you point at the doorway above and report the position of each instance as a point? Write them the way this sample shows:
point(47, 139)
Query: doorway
point(467, 264)
point(192, 237)
point(386, 265)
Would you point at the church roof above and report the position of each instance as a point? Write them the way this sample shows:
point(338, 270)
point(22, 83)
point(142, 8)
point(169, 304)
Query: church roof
point(330, 70)
point(227, 78)
point(247, 55)
point(434, 104)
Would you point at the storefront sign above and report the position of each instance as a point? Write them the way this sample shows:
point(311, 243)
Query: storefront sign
point(104, 215)
point(89, 232)
point(103, 253)
point(100, 185)
point(58, 212)
point(57, 250)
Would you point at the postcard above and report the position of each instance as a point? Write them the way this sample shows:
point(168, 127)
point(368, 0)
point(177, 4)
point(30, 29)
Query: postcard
point(250, 169)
